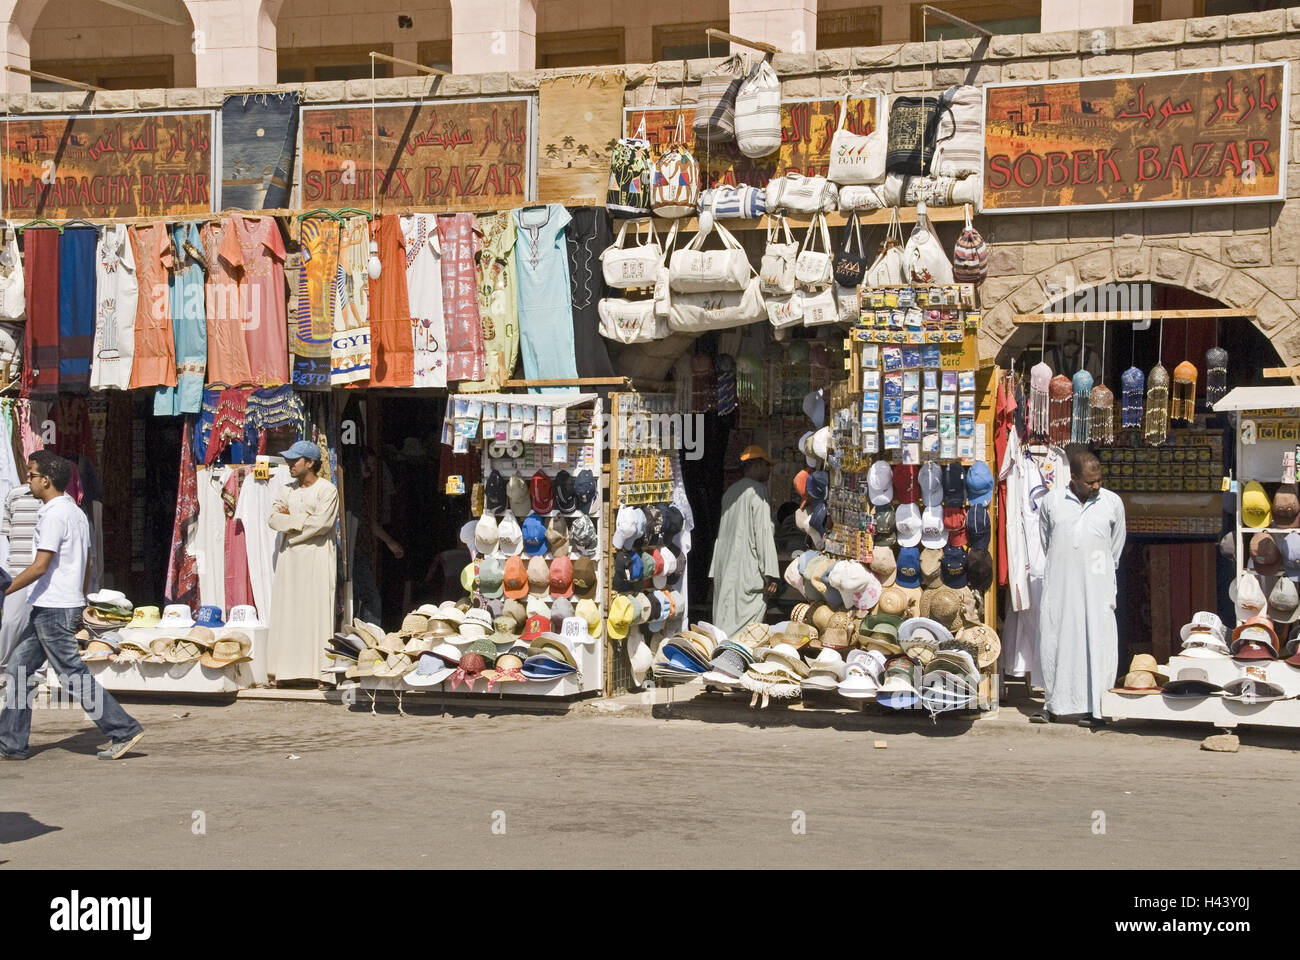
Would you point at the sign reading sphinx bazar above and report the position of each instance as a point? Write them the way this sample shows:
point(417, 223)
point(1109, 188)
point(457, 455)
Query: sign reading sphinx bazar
point(474, 154)
point(1185, 137)
point(110, 165)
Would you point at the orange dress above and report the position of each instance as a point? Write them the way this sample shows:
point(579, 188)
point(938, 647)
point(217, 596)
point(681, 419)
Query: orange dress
point(392, 343)
point(154, 364)
point(227, 351)
point(253, 246)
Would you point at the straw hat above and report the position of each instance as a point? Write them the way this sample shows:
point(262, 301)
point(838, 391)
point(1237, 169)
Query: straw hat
point(234, 647)
point(414, 623)
point(1142, 678)
point(986, 641)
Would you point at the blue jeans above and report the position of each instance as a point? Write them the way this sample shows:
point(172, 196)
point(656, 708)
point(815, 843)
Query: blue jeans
point(51, 636)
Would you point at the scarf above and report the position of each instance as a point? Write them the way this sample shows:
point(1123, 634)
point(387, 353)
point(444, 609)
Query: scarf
point(1155, 422)
point(182, 569)
point(1081, 419)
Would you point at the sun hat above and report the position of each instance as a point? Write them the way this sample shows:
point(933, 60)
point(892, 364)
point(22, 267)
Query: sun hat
point(209, 616)
point(985, 640)
point(429, 671)
point(956, 661)
point(1255, 508)
point(944, 605)
point(938, 634)
point(1265, 557)
point(485, 647)
point(554, 646)
point(367, 661)
point(880, 483)
point(893, 601)
point(176, 615)
point(1254, 639)
point(1190, 683)
point(979, 484)
point(908, 524)
point(244, 615)
point(1253, 687)
point(942, 691)
point(517, 496)
point(752, 636)
point(1143, 677)
point(543, 667)
point(110, 598)
point(858, 683)
point(899, 689)
point(726, 666)
point(234, 647)
point(99, 649)
point(144, 617)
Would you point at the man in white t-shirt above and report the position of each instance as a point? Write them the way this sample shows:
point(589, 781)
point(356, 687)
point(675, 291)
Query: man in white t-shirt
point(56, 583)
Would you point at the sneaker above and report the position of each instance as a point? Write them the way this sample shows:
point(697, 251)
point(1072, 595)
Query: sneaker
point(118, 748)
point(12, 756)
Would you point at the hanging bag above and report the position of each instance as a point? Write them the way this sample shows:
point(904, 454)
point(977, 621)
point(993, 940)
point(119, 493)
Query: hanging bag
point(819, 308)
point(715, 108)
point(912, 129)
point(663, 289)
point(849, 304)
point(634, 266)
point(785, 311)
point(970, 257)
point(959, 133)
point(630, 321)
point(804, 196)
point(923, 258)
point(776, 271)
point(812, 269)
point(758, 112)
point(862, 198)
point(693, 270)
point(887, 270)
point(856, 159)
point(851, 261)
point(741, 202)
point(676, 178)
point(718, 310)
point(631, 169)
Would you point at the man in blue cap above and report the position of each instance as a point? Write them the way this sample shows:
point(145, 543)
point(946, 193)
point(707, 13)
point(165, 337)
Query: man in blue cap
point(302, 604)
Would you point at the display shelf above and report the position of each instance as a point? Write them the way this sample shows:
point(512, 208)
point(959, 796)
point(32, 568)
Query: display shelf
point(1226, 714)
point(194, 677)
point(868, 218)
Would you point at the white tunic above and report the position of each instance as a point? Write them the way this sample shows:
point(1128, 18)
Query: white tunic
point(256, 499)
point(116, 293)
point(424, 294)
point(302, 597)
point(1080, 642)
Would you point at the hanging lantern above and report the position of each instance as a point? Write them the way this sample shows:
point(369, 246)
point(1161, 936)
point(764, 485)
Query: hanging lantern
point(751, 381)
point(1039, 378)
point(1060, 397)
point(1102, 402)
point(1184, 404)
point(1216, 375)
point(726, 385)
point(1155, 421)
point(1081, 418)
point(1132, 385)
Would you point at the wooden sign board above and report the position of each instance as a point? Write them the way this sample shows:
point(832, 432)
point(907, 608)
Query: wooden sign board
point(1177, 138)
point(474, 154)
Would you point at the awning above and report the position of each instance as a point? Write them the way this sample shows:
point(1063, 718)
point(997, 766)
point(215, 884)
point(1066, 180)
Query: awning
point(1259, 398)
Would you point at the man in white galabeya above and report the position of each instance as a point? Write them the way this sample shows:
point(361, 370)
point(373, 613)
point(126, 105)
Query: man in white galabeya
point(57, 580)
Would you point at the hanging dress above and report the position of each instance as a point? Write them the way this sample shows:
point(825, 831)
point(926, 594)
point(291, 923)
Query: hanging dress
point(460, 297)
point(189, 324)
point(424, 289)
point(76, 307)
point(227, 349)
point(588, 236)
point(41, 276)
point(545, 305)
point(350, 350)
point(154, 364)
point(392, 362)
point(115, 305)
point(253, 245)
point(314, 282)
point(497, 306)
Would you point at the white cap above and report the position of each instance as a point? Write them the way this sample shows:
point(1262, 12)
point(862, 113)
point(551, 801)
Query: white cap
point(486, 535)
point(821, 442)
point(628, 527)
point(880, 483)
point(1248, 595)
point(930, 478)
point(933, 533)
point(510, 539)
point(574, 631)
point(907, 524)
point(670, 567)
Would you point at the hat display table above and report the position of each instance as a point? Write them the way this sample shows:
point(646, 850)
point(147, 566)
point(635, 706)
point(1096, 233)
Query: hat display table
point(1214, 709)
point(193, 677)
point(587, 680)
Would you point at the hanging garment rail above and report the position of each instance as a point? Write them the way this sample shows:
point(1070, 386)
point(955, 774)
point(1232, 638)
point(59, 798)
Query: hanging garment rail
point(1128, 316)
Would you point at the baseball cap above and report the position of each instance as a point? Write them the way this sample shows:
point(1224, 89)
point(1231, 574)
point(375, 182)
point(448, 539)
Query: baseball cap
point(510, 539)
point(584, 577)
point(654, 525)
point(883, 565)
point(534, 535)
point(907, 525)
point(674, 523)
point(885, 534)
point(755, 452)
point(930, 477)
point(486, 535)
point(954, 485)
point(561, 577)
point(1286, 506)
point(668, 558)
point(621, 616)
point(1255, 509)
point(621, 578)
point(539, 577)
point(933, 533)
point(978, 527)
point(629, 527)
point(909, 567)
point(557, 535)
point(302, 448)
point(953, 570)
point(880, 484)
point(540, 489)
point(979, 569)
point(494, 491)
point(582, 535)
point(1265, 557)
point(515, 578)
point(562, 492)
point(491, 575)
point(818, 484)
point(954, 521)
point(979, 483)
point(584, 490)
point(906, 487)
point(517, 496)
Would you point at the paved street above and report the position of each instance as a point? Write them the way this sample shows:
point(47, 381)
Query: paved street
point(612, 790)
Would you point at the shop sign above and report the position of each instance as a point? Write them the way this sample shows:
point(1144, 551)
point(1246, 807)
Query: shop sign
point(473, 154)
point(1177, 138)
point(806, 130)
point(110, 165)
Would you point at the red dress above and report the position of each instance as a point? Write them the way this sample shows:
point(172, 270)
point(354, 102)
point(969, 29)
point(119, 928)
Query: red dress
point(392, 361)
point(41, 275)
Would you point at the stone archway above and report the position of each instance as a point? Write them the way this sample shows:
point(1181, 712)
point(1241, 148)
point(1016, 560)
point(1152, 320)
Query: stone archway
point(1004, 297)
point(18, 20)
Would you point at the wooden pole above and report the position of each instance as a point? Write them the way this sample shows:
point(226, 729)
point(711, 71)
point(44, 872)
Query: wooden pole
point(409, 63)
point(51, 78)
point(717, 34)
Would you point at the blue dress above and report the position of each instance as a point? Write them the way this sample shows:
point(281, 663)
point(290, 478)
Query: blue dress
point(189, 326)
point(545, 301)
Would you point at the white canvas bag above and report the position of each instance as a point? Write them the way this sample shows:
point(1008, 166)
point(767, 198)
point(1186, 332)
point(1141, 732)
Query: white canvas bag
point(634, 266)
point(850, 306)
point(959, 134)
point(819, 308)
point(887, 270)
point(857, 159)
point(758, 112)
point(776, 271)
point(663, 290)
point(693, 270)
point(795, 193)
point(924, 259)
point(630, 321)
point(718, 310)
point(812, 269)
point(785, 311)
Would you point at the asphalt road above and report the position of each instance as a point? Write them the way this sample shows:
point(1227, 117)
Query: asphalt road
point(275, 785)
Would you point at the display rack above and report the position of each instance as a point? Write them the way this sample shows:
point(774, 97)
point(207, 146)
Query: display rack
point(193, 677)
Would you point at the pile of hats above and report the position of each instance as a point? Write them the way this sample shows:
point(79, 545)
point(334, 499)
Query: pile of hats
point(813, 484)
point(462, 643)
point(106, 613)
point(686, 654)
point(179, 638)
point(648, 564)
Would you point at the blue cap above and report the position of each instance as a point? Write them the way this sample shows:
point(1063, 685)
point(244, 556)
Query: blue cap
point(636, 570)
point(909, 567)
point(534, 530)
point(953, 567)
point(302, 448)
point(979, 484)
point(978, 527)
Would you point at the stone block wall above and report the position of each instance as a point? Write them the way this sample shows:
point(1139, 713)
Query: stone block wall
point(1246, 256)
